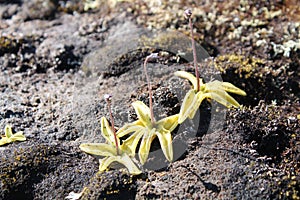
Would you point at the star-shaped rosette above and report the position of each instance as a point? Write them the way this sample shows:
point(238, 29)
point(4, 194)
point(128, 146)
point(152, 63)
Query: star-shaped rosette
point(146, 131)
point(215, 90)
point(9, 137)
point(111, 151)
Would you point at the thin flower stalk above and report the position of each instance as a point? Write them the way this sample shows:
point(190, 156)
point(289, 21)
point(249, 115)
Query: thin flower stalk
point(151, 56)
point(188, 14)
point(107, 98)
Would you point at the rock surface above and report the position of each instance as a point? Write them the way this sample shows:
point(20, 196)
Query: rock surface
point(58, 58)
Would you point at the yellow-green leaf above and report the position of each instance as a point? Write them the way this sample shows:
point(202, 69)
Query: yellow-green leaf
point(187, 106)
point(168, 123)
point(130, 144)
point(18, 137)
point(4, 141)
point(200, 97)
point(233, 89)
point(224, 98)
point(8, 131)
point(99, 149)
point(189, 76)
point(123, 159)
point(105, 162)
point(148, 137)
point(107, 132)
point(129, 164)
point(143, 112)
point(165, 140)
point(129, 128)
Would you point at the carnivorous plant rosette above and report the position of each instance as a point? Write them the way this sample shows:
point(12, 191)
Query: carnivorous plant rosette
point(147, 130)
point(215, 90)
point(111, 151)
point(9, 137)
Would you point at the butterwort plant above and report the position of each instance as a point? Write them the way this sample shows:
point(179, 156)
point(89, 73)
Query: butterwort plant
point(147, 128)
point(111, 151)
point(10, 137)
point(215, 90)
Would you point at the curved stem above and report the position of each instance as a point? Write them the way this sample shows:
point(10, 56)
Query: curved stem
point(150, 89)
point(108, 101)
point(194, 54)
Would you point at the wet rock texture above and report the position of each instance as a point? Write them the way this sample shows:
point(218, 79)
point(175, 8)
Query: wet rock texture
point(58, 58)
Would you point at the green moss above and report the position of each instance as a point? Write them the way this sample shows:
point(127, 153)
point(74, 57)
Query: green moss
point(244, 66)
point(9, 45)
point(289, 187)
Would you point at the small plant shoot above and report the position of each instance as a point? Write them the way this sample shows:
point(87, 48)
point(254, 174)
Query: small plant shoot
point(9, 137)
point(144, 129)
point(147, 128)
point(107, 98)
point(188, 15)
point(110, 150)
point(215, 90)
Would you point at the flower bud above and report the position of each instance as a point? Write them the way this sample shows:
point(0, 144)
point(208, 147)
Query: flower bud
point(187, 13)
point(107, 97)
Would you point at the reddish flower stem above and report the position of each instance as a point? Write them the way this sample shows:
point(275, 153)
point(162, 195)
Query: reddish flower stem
point(108, 101)
point(149, 86)
point(188, 14)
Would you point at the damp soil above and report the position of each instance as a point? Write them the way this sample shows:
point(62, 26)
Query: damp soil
point(58, 58)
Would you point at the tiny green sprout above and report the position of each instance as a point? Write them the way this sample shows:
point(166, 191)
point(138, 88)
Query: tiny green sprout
point(147, 128)
point(9, 137)
point(216, 90)
point(112, 150)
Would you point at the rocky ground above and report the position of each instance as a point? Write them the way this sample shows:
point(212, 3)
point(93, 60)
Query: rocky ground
point(58, 59)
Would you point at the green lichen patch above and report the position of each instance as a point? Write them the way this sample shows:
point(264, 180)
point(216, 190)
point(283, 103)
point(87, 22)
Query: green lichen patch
point(244, 66)
point(9, 44)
